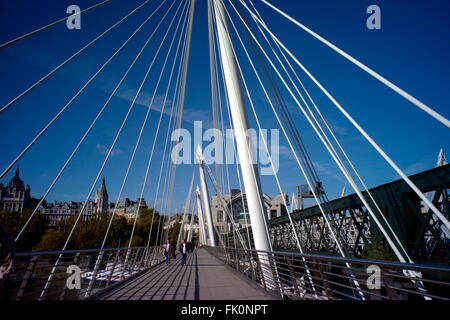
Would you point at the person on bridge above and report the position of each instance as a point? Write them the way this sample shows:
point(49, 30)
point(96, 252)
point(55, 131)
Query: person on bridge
point(184, 251)
point(7, 250)
point(169, 249)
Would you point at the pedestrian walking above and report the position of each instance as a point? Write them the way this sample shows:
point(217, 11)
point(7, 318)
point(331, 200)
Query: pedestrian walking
point(184, 252)
point(169, 249)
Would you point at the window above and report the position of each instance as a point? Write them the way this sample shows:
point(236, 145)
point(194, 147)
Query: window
point(273, 214)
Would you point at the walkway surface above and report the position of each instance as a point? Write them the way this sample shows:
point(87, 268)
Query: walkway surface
point(203, 278)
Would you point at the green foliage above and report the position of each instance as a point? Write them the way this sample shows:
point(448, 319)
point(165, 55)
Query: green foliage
point(87, 234)
point(379, 248)
point(14, 221)
point(53, 239)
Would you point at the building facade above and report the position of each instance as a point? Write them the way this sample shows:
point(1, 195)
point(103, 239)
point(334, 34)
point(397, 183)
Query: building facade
point(15, 196)
point(236, 205)
point(55, 212)
point(127, 208)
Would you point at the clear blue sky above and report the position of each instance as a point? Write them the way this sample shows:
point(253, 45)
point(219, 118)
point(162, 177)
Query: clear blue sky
point(411, 49)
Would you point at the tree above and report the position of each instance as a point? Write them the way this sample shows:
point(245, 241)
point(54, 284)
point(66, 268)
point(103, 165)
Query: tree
point(53, 239)
point(147, 225)
point(378, 248)
point(174, 231)
point(87, 234)
point(14, 221)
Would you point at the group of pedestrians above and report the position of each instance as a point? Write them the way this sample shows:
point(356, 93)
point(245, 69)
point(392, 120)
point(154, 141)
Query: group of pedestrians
point(170, 247)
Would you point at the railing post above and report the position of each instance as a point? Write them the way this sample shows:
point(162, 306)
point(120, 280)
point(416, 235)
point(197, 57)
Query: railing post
point(136, 257)
point(324, 279)
point(108, 280)
point(94, 273)
point(289, 261)
point(63, 292)
point(148, 254)
point(26, 278)
point(391, 293)
point(249, 255)
point(125, 262)
point(261, 277)
point(275, 276)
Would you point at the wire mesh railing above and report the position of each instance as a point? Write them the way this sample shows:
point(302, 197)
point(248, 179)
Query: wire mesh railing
point(322, 277)
point(76, 274)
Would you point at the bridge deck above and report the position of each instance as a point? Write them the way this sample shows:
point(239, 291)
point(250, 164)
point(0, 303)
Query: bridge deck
point(203, 278)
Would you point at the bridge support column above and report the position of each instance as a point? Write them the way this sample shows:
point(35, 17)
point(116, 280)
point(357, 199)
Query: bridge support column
point(205, 198)
point(245, 149)
point(191, 225)
point(202, 233)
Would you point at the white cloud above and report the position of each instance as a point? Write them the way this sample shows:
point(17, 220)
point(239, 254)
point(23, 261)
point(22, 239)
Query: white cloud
point(104, 150)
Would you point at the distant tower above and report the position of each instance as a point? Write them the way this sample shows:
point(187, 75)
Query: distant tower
point(15, 196)
point(441, 159)
point(344, 192)
point(101, 198)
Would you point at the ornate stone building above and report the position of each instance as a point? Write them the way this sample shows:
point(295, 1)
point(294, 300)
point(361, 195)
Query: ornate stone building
point(127, 208)
point(56, 211)
point(236, 203)
point(15, 196)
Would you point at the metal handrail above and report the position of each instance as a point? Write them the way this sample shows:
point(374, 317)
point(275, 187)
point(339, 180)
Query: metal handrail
point(30, 279)
point(54, 252)
point(392, 264)
point(332, 277)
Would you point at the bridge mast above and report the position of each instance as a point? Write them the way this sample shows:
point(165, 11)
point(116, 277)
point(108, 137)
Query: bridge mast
point(205, 198)
point(202, 232)
point(240, 122)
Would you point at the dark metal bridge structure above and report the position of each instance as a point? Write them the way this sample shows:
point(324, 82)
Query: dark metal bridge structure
point(412, 222)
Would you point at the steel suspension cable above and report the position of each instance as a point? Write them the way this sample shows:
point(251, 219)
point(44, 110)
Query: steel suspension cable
point(124, 180)
point(363, 132)
point(144, 123)
point(273, 169)
point(183, 87)
point(43, 293)
point(170, 126)
point(295, 155)
point(159, 122)
point(187, 204)
point(339, 163)
point(291, 146)
point(328, 127)
point(56, 117)
point(253, 167)
point(218, 107)
point(373, 73)
point(234, 145)
point(48, 26)
point(75, 150)
point(62, 64)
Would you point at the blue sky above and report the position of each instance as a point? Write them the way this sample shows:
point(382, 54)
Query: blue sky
point(411, 50)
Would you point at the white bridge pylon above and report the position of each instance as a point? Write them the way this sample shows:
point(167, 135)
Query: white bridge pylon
point(205, 198)
point(245, 150)
point(202, 231)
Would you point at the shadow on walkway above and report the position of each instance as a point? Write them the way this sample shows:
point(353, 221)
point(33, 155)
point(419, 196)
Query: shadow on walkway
point(203, 278)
